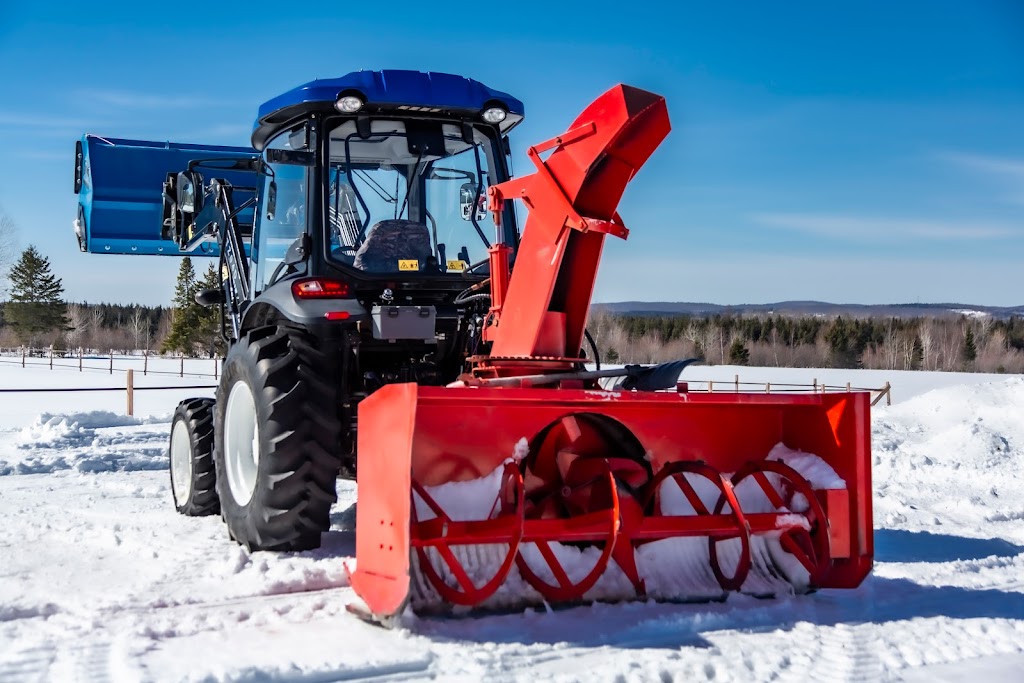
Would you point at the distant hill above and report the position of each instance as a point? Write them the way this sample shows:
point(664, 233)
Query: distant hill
point(800, 308)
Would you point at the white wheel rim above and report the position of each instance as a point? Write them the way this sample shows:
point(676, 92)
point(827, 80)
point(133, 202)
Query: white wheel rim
point(181, 463)
point(241, 443)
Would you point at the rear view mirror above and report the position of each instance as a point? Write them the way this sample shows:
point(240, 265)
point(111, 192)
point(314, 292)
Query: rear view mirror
point(470, 198)
point(190, 192)
point(271, 200)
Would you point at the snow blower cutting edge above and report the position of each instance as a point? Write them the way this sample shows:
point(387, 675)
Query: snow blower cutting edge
point(379, 326)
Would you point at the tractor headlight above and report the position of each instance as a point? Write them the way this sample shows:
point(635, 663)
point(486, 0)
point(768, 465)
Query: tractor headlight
point(494, 114)
point(349, 104)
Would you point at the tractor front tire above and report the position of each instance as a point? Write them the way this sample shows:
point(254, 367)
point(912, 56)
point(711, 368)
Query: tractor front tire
point(191, 450)
point(277, 440)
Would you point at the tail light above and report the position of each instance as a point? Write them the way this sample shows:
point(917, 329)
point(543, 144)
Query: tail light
point(320, 288)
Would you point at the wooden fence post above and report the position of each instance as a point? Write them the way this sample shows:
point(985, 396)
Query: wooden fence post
point(847, 387)
point(145, 363)
point(182, 372)
point(79, 358)
point(216, 367)
point(737, 384)
point(815, 385)
point(111, 361)
point(884, 391)
point(711, 386)
point(767, 387)
point(22, 356)
point(51, 356)
point(131, 392)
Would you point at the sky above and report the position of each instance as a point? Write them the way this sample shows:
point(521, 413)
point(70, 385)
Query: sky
point(852, 152)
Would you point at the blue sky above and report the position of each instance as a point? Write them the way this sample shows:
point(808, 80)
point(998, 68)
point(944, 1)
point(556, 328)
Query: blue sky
point(861, 152)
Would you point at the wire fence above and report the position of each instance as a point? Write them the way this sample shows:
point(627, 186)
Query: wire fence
point(711, 386)
point(90, 361)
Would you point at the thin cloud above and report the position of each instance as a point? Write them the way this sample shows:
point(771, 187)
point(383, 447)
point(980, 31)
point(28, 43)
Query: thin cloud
point(126, 99)
point(18, 120)
point(40, 155)
point(1006, 170)
point(1013, 168)
point(884, 229)
point(225, 133)
point(882, 278)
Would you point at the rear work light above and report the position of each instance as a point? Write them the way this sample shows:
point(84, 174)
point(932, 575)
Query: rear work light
point(320, 288)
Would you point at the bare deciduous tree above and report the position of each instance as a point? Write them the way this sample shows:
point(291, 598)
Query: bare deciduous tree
point(78, 326)
point(8, 249)
point(138, 325)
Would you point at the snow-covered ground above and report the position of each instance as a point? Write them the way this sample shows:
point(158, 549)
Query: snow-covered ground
point(101, 580)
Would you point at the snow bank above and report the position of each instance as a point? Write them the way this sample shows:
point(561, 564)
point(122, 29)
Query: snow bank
point(952, 459)
point(95, 441)
point(68, 431)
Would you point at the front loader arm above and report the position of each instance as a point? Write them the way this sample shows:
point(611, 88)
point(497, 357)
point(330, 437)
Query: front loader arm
point(540, 311)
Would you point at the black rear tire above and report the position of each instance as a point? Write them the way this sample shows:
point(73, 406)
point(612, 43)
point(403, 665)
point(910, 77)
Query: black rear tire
point(279, 499)
point(193, 477)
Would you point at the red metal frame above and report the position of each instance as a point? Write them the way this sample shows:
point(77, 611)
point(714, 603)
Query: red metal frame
point(464, 434)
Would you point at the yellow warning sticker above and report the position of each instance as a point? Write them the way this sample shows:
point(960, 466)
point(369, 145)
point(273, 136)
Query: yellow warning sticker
point(408, 264)
point(458, 264)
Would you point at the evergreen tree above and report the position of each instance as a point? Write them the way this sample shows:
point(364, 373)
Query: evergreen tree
point(839, 341)
point(738, 353)
point(917, 354)
point(36, 304)
point(970, 352)
point(186, 322)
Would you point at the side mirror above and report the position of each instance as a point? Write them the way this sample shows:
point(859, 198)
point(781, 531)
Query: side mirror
point(271, 200)
point(210, 297)
point(190, 192)
point(469, 198)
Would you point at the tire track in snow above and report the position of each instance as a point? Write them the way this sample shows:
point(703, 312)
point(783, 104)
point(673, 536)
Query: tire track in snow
point(845, 653)
point(265, 599)
point(30, 665)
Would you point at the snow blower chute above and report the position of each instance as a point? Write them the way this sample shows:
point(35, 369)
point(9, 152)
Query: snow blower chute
point(526, 482)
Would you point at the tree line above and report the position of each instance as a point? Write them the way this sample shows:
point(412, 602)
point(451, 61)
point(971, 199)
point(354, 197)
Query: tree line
point(951, 343)
point(36, 315)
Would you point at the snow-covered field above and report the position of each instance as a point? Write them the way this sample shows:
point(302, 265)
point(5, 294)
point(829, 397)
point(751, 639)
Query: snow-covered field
point(100, 580)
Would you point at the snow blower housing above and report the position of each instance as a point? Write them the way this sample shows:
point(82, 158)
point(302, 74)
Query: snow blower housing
point(386, 318)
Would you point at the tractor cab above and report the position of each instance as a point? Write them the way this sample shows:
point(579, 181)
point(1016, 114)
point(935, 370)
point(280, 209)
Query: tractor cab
point(386, 175)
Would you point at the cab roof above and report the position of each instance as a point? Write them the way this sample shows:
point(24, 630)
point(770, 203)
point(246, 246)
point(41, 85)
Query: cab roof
point(409, 92)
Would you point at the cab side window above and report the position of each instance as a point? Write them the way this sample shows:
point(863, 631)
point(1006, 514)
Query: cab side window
point(283, 212)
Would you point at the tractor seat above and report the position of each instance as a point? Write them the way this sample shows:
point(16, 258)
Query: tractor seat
point(391, 241)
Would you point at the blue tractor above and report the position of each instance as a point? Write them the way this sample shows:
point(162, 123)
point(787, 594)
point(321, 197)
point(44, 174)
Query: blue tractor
point(352, 240)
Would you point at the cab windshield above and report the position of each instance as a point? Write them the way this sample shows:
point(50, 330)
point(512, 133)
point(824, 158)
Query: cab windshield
point(406, 197)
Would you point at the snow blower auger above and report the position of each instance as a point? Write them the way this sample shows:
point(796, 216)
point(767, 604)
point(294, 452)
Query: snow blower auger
point(531, 484)
point(374, 326)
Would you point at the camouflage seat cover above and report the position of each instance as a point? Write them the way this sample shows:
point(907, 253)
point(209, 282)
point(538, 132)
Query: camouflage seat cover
point(390, 241)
